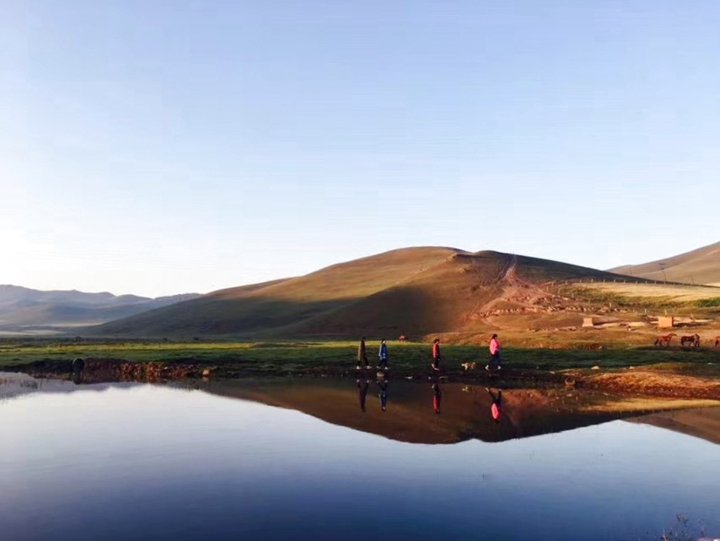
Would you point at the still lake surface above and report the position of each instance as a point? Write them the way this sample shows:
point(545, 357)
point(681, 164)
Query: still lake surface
point(304, 460)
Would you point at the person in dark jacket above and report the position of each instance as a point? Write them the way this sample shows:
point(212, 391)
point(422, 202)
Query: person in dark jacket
point(383, 355)
point(362, 359)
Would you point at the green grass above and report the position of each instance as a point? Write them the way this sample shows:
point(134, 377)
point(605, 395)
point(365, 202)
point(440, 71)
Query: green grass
point(404, 357)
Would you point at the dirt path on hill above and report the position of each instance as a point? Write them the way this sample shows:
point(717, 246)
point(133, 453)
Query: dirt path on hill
point(515, 290)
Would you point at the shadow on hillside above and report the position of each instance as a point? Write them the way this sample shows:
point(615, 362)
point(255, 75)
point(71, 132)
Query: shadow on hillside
point(399, 310)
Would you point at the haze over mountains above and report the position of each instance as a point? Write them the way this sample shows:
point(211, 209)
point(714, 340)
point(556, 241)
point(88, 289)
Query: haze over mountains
point(410, 291)
point(23, 309)
point(700, 266)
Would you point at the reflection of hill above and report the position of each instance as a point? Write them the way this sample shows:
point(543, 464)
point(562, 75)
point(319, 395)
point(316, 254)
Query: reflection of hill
point(465, 411)
point(702, 423)
point(14, 385)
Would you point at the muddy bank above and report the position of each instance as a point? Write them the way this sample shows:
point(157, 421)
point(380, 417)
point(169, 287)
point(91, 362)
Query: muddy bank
point(655, 383)
point(645, 382)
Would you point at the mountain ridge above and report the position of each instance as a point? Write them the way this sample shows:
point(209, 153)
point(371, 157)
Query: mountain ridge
point(23, 308)
point(698, 266)
point(415, 290)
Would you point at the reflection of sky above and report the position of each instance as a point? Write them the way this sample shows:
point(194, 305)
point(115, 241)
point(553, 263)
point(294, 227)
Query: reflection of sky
point(155, 462)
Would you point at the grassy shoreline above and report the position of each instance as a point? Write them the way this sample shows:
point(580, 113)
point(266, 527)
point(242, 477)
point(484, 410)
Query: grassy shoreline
point(341, 354)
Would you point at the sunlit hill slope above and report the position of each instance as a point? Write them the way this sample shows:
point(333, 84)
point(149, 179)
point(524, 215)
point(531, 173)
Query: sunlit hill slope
point(701, 266)
point(411, 291)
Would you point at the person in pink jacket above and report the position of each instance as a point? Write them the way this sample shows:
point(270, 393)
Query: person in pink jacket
point(494, 353)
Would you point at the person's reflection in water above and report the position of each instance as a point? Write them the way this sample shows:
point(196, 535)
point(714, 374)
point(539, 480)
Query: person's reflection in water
point(77, 370)
point(496, 407)
point(437, 397)
point(363, 385)
point(382, 391)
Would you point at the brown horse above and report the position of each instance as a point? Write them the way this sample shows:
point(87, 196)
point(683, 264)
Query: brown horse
point(664, 340)
point(717, 341)
point(692, 341)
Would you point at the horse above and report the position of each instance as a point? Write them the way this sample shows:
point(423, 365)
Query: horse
point(717, 341)
point(664, 340)
point(692, 341)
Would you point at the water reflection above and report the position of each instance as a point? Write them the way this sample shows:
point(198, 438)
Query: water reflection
point(459, 412)
point(362, 385)
point(138, 461)
point(496, 406)
point(437, 397)
point(382, 384)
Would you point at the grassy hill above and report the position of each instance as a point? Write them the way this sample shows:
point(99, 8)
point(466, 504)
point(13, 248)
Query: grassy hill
point(413, 291)
point(701, 266)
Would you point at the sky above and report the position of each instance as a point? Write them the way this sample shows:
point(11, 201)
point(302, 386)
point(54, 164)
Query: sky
point(174, 146)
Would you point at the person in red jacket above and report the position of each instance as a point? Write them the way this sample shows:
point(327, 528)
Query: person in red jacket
point(494, 353)
point(436, 354)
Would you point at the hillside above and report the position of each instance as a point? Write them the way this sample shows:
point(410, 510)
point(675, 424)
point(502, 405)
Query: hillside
point(700, 266)
point(23, 309)
point(411, 291)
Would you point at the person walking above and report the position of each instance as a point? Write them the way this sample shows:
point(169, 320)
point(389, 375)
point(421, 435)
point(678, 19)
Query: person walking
point(436, 354)
point(362, 359)
point(494, 353)
point(383, 355)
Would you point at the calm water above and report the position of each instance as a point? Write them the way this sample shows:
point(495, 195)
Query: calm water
point(135, 461)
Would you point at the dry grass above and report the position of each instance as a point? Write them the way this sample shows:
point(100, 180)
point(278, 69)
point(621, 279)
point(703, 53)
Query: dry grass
point(669, 292)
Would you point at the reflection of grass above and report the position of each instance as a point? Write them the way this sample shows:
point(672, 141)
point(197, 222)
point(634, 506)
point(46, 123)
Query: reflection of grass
point(641, 405)
point(403, 356)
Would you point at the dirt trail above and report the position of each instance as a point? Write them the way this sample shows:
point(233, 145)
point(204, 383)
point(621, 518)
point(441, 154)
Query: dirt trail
point(515, 290)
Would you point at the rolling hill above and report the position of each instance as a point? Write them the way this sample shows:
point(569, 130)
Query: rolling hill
point(412, 291)
point(700, 266)
point(23, 309)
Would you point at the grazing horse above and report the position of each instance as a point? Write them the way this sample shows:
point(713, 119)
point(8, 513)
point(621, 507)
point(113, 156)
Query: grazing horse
point(664, 340)
point(692, 341)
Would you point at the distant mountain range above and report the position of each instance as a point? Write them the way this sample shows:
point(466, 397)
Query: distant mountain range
point(700, 266)
point(25, 310)
point(411, 291)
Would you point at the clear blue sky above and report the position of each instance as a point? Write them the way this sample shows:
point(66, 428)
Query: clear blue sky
point(160, 147)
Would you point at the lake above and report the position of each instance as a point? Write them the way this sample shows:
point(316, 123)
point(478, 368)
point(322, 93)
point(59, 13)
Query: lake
point(321, 460)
